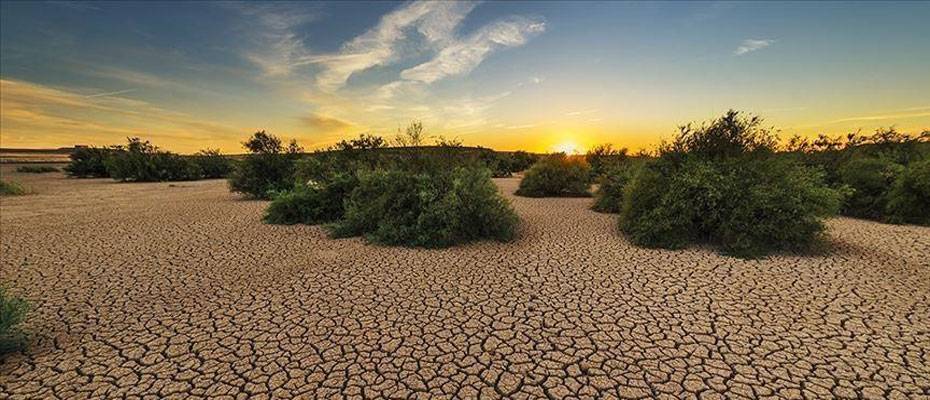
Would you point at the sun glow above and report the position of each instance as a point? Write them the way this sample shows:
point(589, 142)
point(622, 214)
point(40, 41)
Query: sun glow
point(568, 147)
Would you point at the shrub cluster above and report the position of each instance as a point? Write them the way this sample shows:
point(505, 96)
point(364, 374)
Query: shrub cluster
point(411, 196)
point(13, 312)
point(141, 161)
point(36, 169)
point(557, 175)
point(870, 167)
point(722, 183)
point(609, 195)
point(604, 158)
point(438, 209)
point(89, 162)
point(9, 188)
point(267, 169)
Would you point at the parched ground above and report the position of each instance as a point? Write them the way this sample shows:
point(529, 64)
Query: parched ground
point(179, 291)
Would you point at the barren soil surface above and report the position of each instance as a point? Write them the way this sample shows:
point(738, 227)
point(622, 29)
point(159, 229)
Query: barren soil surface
point(179, 291)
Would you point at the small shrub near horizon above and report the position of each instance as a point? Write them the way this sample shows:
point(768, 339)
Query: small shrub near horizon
point(141, 161)
point(267, 169)
point(13, 312)
point(36, 169)
point(722, 184)
point(10, 188)
point(557, 175)
point(212, 164)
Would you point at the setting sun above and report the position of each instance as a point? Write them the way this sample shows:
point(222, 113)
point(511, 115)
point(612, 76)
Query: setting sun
point(568, 147)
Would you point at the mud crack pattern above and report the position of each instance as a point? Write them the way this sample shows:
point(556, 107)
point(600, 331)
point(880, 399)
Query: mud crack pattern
point(158, 291)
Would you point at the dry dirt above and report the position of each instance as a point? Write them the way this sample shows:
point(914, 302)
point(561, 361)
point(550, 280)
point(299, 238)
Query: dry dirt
point(179, 291)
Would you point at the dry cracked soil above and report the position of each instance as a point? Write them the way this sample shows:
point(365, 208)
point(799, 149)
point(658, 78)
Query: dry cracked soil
point(180, 291)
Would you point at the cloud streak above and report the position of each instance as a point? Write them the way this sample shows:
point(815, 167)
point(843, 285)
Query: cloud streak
point(751, 45)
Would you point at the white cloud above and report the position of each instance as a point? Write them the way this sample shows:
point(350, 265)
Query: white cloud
point(436, 21)
point(277, 49)
point(462, 56)
point(750, 45)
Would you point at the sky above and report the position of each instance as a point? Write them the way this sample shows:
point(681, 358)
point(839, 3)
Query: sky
point(536, 76)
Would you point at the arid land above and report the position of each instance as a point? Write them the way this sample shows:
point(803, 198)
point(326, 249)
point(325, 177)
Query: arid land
point(178, 290)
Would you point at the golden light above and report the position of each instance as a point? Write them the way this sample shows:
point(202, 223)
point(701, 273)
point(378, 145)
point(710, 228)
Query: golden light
point(568, 147)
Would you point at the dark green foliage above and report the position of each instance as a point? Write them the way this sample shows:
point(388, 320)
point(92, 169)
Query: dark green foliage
point(723, 184)
point(603, 158)
point(267, 169)
point(438, 209)
point(140, 161)
point(609, 195)
point(11, 189)
point(312, 203)
point(909, 198)
point(870, 179)
point(212, 164)
point(88, 162)
point(36, 169)
point(13, 312)
point(521, 160)
point(557, 175)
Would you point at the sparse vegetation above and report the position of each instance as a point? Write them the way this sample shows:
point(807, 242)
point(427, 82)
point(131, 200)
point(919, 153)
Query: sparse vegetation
point(9, 188)
point(36, 169)
point(267, 169)
point(89, 162)
point(13, 312)
point(557, 175)
point(721, 183)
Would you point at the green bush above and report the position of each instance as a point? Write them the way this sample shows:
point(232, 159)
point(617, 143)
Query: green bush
point(521, 160)
point(13, 312)
point(909, 197)
point(36, 169)
point(722, 184)
point(212, 164)
point(438, 209)
point(609, 195)
point(604, 158)
point(311, 203)
point(267, 169)
point(8, 188)
point(557, 175)
point(140, 161)
point(870, 179)
point(88, 162)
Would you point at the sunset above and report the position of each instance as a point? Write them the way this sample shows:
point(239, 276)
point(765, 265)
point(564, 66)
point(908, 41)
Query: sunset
point(514, 75)
point(464, 199)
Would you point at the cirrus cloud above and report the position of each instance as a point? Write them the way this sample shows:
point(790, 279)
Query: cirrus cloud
point(751, 45)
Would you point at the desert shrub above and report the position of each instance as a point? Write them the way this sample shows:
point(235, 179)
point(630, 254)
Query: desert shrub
point(437, 209)
point(9, 188)
point(88, 162)
point(721, 183)
point(909, 197)
point(267, 169)
point(870, 180)
point(609, 195)
point(36, 169)
point(13, 312)
point(312, 203)
point(212, 164)
point(603, 158)
point(557, 175)
point(521, 160)
point(141, 161)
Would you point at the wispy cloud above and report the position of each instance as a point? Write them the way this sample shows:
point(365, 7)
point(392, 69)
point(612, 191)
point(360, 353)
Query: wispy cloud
point(324, 124)
point(278, 48)
point(750, 45)
point(464, 55)
point(114, 93)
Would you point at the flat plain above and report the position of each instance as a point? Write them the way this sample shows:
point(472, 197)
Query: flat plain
point(178, 290)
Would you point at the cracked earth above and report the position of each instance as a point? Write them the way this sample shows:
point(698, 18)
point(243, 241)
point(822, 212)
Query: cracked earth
point(179, 291)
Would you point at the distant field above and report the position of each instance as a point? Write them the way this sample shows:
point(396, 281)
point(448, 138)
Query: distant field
point(8, 156)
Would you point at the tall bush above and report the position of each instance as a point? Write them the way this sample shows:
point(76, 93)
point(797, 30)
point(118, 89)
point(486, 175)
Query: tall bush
point(557, 175)
point(267, 169)
point(721, 183)
point(870, 180)
point(909, 197)
point(610, 186)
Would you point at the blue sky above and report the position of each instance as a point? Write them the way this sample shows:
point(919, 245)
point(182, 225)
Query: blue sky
point(507, 75)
